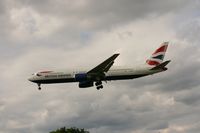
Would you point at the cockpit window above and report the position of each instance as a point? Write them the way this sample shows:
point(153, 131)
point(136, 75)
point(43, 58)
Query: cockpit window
point(38, 74)
point(41, 73)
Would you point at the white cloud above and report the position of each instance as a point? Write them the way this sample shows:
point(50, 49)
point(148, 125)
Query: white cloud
point(166, 102)
point(27, 24)
point(129, 38)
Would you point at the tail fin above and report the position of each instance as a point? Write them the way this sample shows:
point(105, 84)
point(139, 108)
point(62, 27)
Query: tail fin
point(158, 56)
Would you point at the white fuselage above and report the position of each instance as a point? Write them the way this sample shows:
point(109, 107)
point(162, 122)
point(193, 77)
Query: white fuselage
point(104, 71)
point(119, 73)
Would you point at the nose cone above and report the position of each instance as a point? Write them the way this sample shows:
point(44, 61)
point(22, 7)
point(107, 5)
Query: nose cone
point(31, 79)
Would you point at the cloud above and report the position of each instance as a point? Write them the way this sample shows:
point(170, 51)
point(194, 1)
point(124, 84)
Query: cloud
point(64, 34)
point(28, 23)
point(107, 13)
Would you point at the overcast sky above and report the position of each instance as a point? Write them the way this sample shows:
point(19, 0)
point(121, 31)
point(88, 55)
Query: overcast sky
point(65, 34)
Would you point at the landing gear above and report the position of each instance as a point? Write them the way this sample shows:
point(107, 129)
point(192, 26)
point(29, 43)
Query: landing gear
point(99, 85)
point(39, 87)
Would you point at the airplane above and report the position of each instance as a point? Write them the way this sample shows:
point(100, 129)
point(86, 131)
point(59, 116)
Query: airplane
point(105, 71)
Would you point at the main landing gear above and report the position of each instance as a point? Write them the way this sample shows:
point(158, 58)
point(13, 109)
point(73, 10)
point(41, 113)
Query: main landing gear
point(99, 85)
point(39, 87)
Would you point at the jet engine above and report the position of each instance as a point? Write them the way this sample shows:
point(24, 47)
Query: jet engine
point(85, 84)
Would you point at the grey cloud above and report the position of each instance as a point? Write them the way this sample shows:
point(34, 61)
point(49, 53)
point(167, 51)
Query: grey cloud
point(149, 104)
point(2, 7)
point(189, 30)
point(88, 17)
point(103, 14)
point(111, 115)
point(189, 97)
point(159, 125)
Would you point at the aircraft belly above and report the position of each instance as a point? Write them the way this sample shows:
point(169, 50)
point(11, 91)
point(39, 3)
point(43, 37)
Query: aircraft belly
point(123, 77)
point(55, 80)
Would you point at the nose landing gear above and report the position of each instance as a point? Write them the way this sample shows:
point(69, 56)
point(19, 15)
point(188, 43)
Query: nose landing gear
point(39, 87)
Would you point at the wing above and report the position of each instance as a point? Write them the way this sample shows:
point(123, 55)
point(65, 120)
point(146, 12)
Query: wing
point(104, 66)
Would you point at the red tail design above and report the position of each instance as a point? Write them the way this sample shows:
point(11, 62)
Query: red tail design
point(158, 56)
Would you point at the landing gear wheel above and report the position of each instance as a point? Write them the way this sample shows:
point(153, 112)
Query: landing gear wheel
point(39, 87)
point(98, 83)
point(99, 87)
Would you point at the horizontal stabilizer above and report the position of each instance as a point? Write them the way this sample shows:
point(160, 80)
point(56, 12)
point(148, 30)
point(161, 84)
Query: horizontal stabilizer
point(162, 65)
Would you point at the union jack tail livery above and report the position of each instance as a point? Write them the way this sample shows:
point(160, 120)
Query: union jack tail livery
point(158, 56)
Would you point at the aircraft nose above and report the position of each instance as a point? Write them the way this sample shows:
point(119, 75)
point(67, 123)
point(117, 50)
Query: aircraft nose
point(31, 79)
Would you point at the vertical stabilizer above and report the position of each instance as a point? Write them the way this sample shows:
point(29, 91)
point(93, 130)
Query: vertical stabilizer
point(158, 56)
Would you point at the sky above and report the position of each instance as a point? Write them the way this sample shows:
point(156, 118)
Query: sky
point(62, 34)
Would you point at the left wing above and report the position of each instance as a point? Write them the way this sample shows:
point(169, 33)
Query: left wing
point(104, 66)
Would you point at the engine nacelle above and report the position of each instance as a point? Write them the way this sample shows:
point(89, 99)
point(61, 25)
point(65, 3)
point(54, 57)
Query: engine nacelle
point(81, 77)
point(85, 84)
